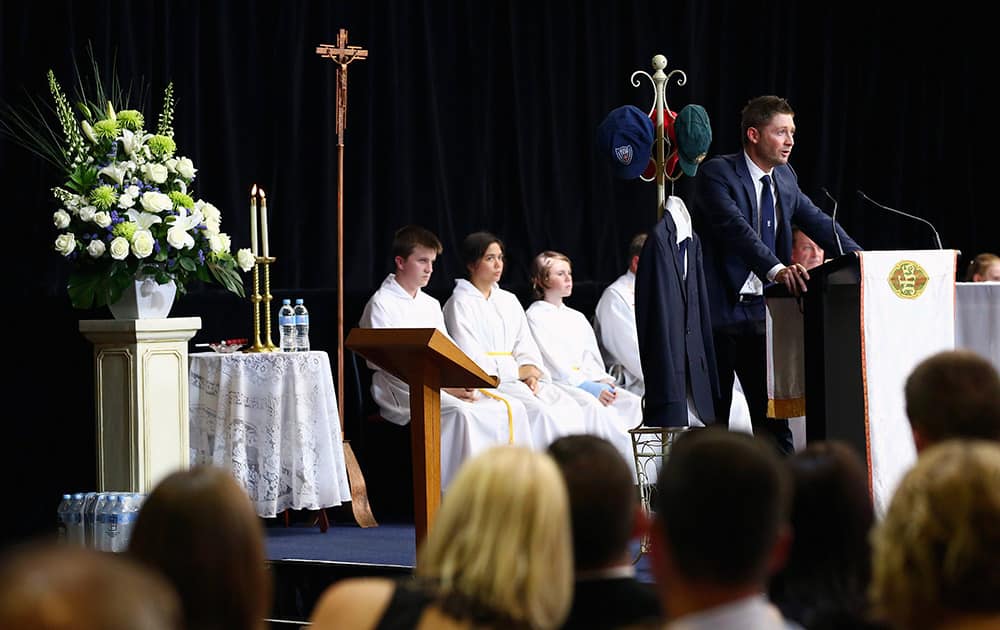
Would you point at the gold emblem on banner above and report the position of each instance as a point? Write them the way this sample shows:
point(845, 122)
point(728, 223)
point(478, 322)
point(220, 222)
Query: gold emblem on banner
point(908, 279)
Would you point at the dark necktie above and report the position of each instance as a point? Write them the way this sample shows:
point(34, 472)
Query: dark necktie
point(767, 215)
point(682, 248)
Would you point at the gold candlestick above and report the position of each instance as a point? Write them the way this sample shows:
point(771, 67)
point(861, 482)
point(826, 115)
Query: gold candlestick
point(267, 302)
point(257, 298)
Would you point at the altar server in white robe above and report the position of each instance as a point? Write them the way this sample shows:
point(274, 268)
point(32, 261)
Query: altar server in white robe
point(489, 324)
point(614, 324)
point(471, 420)
point(570, 353)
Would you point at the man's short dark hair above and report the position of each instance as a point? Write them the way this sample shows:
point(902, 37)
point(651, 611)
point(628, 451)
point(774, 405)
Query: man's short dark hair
point(602, 498)
point(954, 394)
point(759, 111)
point(712, 482)
point(635, 246)
point(408, 238)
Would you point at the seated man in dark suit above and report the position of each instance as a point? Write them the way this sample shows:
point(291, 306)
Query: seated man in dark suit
point(605, 514)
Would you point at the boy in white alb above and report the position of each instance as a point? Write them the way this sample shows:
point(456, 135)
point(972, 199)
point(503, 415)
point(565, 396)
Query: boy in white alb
point(570, 353)
point(489, 325)
point(471, 420)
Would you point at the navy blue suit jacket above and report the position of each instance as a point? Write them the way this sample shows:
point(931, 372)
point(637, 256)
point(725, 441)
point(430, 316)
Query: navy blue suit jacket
point(674, 330)
point(726, 219)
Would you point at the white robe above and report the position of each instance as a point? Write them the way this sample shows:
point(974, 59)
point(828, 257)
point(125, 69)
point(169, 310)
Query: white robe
point(569, 350)
point(467, 428)
point(614, 324)
point(494, 333)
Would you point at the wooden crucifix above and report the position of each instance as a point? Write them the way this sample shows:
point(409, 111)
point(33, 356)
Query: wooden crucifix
point(343, 55)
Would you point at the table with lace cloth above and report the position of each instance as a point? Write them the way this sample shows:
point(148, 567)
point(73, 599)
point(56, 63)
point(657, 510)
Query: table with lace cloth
point(272, 420)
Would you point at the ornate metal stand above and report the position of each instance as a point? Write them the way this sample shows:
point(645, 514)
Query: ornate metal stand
point(257, 298)
point(650, 447)
point(659, 81)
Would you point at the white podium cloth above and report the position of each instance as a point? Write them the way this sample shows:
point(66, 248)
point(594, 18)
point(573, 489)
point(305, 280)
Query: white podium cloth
point(272, 420)
point(977, 319)
point(907, 314)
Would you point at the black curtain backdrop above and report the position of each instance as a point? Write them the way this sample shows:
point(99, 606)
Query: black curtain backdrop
point(469, 115)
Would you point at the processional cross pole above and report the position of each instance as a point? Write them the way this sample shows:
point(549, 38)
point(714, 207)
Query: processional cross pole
point(343, 55)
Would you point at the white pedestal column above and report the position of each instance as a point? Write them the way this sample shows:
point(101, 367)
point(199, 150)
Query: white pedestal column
point(141, 394)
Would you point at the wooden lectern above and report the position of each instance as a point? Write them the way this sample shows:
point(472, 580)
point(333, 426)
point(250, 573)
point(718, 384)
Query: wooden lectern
point(426, 360)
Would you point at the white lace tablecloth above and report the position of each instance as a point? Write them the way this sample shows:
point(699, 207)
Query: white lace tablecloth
point(272, 420)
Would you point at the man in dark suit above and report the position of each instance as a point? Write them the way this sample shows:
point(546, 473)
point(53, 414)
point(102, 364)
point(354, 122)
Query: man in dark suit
point(747, 203)
point(605, 515)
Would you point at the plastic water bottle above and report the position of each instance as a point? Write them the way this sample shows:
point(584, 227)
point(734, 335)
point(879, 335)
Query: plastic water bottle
point(130, 513)
point(64, 517)
point(74, 525)
point(301, 326)
point(89, 507)
point(286, 326)
point(100, 520)
point(109, 524)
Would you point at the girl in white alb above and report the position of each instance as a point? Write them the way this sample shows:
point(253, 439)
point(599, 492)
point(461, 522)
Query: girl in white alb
point(489, 325)
point(571, 355)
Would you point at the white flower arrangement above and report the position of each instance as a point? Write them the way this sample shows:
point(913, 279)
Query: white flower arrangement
point(126, 209)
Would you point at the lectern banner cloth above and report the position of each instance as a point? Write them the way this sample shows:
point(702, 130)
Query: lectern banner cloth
point(786, 371)
point(907, 314)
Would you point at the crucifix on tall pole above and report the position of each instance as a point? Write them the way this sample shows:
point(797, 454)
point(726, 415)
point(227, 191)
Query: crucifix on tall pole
point(343, 55)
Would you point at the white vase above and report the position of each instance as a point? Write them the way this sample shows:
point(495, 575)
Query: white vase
point(145, 298)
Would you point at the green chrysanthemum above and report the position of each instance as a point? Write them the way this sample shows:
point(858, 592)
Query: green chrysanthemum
point(130, 119)
point(180, 199)
point(125, 229)
point(106, 129)
point(162, 146)
point(103, 197)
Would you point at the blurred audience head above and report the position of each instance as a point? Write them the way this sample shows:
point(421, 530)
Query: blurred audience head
point(712, 482)
point(501, 540)
point(603, 503)
point(199, 530)
point(805, 251)
point(46, 587)
point(953, 394)
point(983, 268)
point(825, 579)
point(936, 561)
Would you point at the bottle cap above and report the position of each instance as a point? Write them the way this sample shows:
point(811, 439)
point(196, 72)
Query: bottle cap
point(298, 301)
point(286, 301)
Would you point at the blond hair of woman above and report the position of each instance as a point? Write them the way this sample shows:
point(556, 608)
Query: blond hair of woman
point(936, 561)
point(498, 555)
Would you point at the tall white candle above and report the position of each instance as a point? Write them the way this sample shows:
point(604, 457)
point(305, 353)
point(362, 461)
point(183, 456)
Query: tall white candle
point(263, 223)
point(253, 220)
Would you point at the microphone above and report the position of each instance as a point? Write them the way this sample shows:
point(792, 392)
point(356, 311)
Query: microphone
point(905, 214)
point(836, 233)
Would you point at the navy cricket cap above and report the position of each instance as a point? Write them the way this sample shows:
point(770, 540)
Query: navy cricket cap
point(626, 139)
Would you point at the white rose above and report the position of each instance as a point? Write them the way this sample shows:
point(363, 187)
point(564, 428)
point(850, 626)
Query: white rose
point(60, 218)
point(171, 165)
point(119, 248)
point(96, 248)
point(126, 201)
point(219, 243)
point(87, 213)
point(178, 238)
point(132, 191)
point(185, 168)
point(102, 219)
point(245, 259)
point(157, 173)
point(65, 244)
point(156, 202)
point(142, 243)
